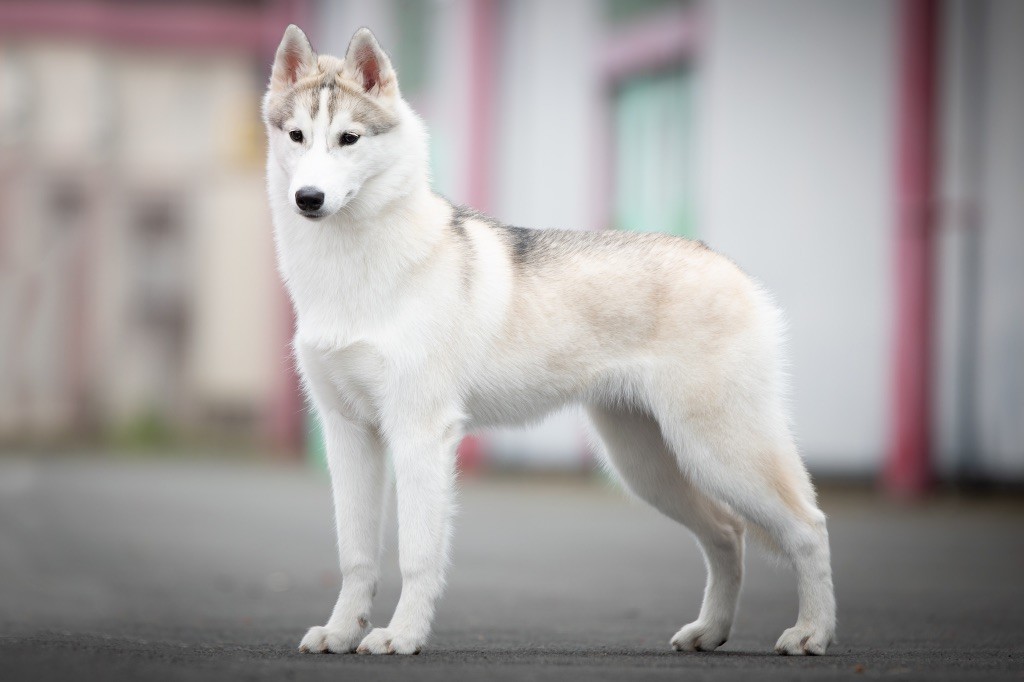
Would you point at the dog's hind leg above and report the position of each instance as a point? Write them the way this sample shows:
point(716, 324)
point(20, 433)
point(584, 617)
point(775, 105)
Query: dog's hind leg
point(637, 452)
point(739, 450)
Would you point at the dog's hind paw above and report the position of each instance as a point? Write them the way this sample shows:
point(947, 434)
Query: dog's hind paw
point(385, 641)
point(699, 636)
point(333, 640)
point(803, 640)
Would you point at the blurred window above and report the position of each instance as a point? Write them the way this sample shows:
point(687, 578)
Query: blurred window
point(15, 95)
point(160, 285)
point(625, 11)
point(413, 53)
point(160, 290)
point(654, 153)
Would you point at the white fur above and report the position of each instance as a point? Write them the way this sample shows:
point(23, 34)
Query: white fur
point(398, 353)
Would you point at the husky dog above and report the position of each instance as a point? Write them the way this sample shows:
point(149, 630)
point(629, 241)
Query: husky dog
point(418, 320)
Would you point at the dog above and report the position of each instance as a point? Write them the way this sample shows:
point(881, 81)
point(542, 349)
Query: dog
point(417, 321)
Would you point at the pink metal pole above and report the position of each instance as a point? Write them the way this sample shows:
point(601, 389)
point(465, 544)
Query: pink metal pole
point(483, 35)
point(286, 410)
point(483, 49)
point(908, 470)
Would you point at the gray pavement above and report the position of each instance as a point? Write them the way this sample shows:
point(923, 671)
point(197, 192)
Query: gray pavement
point(198, 570)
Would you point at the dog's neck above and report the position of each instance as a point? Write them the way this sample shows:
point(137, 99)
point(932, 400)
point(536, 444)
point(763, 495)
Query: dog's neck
point(397, 232)
point(343, 273)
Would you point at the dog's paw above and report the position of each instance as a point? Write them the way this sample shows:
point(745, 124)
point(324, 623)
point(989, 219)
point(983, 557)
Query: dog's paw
point(700, 636)
point(804, 640)
point(385, 641)
point(333, 640)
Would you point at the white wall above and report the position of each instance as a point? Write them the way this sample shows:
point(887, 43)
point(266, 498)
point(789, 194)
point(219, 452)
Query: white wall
point(548, 111)
point(979, 415)
point(546, 164)
point(1001, 334)
point(796, 165)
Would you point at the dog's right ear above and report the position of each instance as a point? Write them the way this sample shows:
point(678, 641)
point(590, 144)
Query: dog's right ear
point(295, 59)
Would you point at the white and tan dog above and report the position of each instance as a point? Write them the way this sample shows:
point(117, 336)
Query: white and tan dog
point(418, 320)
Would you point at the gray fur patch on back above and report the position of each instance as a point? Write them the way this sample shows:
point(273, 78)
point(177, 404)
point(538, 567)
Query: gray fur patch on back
point(530, 248)
point(460, 214)
point(524, 244)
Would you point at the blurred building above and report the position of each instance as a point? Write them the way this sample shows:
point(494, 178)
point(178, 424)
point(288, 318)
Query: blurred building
point(788, 134)
point(139, 294)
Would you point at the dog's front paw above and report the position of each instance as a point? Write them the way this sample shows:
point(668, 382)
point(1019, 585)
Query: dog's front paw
point(700, 636)
point(804, 640)
point(385, 641)
point(333, 640)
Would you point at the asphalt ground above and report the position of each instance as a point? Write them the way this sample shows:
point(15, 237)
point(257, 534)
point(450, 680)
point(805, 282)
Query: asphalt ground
point(172, 570)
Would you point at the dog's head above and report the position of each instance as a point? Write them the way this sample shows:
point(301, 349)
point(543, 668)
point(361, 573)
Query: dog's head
point(333, 125)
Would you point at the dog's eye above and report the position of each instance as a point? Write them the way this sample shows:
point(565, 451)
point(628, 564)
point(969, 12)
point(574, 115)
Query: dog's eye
point(296, 135)
point(348, 138)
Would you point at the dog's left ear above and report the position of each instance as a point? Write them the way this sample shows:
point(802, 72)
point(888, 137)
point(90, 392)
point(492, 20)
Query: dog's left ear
point(366, 64)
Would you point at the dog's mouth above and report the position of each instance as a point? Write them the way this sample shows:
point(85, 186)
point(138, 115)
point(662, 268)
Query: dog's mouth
point(313, 215)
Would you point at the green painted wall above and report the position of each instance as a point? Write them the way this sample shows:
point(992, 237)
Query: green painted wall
point(654, 153)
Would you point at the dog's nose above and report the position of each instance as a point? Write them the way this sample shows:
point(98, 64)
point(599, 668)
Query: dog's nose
point(309, 199)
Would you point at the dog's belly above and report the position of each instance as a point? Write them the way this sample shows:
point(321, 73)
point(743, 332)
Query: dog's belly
point(514, 407)
point(505, 395)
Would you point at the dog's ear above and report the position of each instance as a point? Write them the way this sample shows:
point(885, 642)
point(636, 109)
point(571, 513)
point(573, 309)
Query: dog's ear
point(295, 59)
point(366, 64)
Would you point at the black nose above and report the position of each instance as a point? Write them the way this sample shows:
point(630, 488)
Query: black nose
point(309, 199)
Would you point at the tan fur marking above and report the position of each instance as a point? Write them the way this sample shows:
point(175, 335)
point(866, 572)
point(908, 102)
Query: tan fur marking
point(345, 95)
point(786, 485)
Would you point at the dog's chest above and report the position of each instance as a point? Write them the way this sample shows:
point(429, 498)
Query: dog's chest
point(349, 378)
point(329, 315)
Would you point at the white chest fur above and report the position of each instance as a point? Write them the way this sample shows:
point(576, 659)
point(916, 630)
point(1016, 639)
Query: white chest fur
point(389, 309)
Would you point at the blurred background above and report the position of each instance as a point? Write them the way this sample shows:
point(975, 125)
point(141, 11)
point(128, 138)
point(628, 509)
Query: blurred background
point(164, 513)
point(864, 160)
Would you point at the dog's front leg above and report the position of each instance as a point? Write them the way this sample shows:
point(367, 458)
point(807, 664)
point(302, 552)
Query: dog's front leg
point(358, 464)
point(424, 460)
